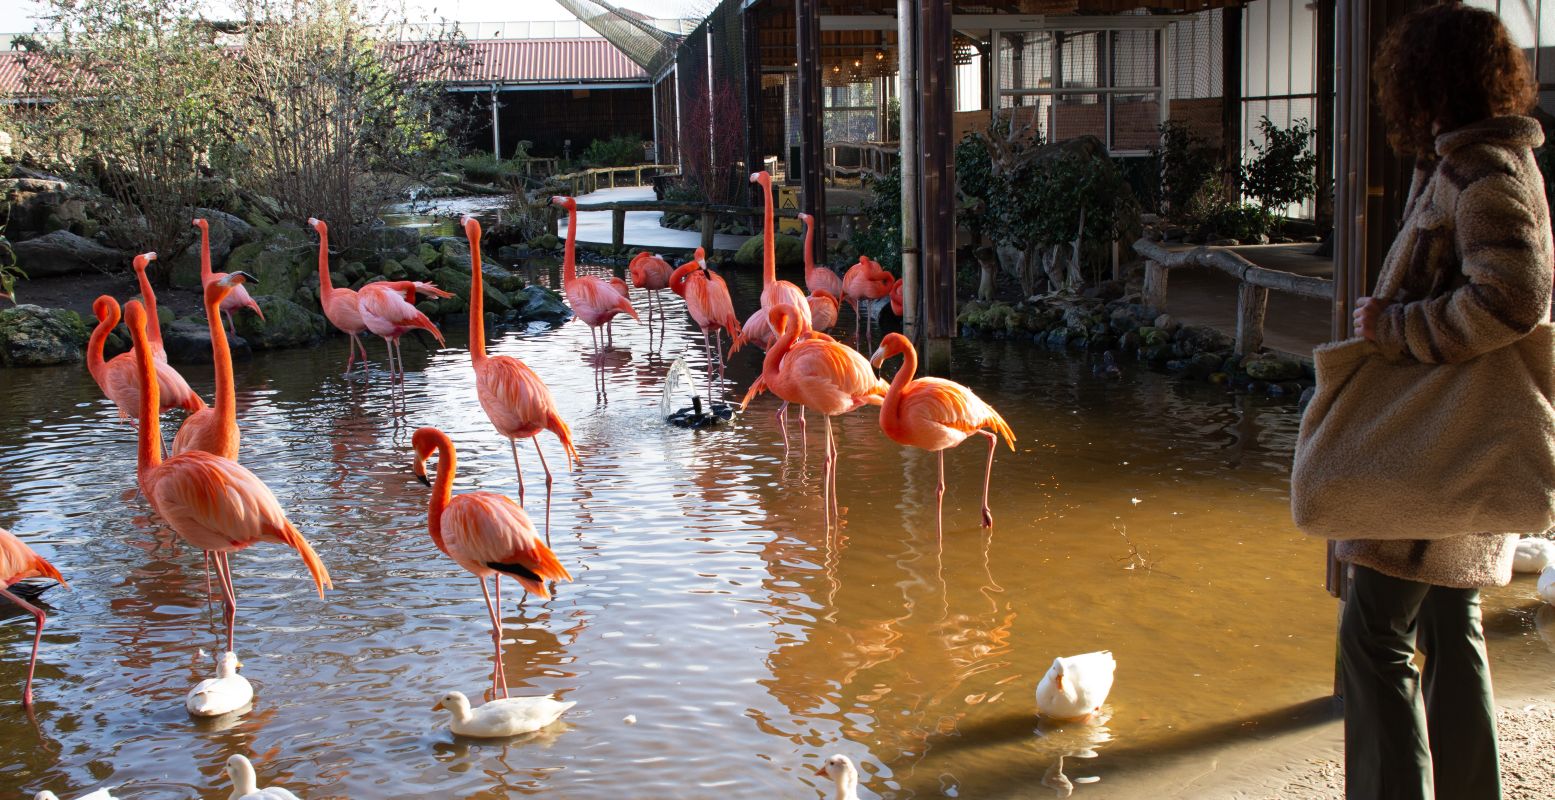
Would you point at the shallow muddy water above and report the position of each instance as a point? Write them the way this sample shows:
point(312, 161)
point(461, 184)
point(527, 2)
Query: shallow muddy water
point(709, 601)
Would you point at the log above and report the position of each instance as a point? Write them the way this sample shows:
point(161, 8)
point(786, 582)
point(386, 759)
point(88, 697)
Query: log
point(1155, 285)
point(1252, 305)
point(707, 231)
point(617, 227)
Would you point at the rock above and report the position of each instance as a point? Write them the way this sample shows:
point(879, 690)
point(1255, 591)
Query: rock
point(228, 233)
point(415, 268)
point(33, 336)
point(1057, 339)
point(501, 277)
point(1272, 369)
point(1223, 243)
point(393, 270)
point(286, 324)
point(1130, 342)
point(539, 303)
point(455, 253)
point(277, 272)
point(188, 341)
point(453, 280)
point(1164, 321)
point(1154, 337)
point(495, 300)
point(353, 271)
point(512, 252)
point(387, 239)
point(64, 253)
point(790, 251)
point(428, 254)
point(1203, 365)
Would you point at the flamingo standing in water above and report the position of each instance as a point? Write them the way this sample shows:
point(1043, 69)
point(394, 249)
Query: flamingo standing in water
point(591, 298)
point(215, 430)
point(118, 377)
point(341, 306)
point(213, 503)
point(817, 278)
point(708, 303)
point(651, 272)
point(388, 312)
point(934, 414)
point(149, 297)
point(758, 329)
point(864, 283)
point(625, 291)
point(486, 533)
point(18, 563)
point(821, 375)
point(516, 401)
point(239, 298)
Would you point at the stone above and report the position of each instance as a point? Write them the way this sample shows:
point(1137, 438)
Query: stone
point(393, 270)
point(1203, 365)
point(539, 303)
point(512, 252)
point(1223, 243)
point(789, 250)
point(228, 234)
point(1057, 339)
point(276, 272)
point(188, 341)
point(495, 300)
point(415, 268)
point(33, 336)
point(455, 254)
point(387, 239)
point(1154, 337)
point(501, 277)
point(1272, 369)
point(65, 253)
point(453, 280)
point(353, 271)
point(286, 324)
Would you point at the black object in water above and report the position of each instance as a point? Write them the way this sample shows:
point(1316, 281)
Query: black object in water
point(697, 419)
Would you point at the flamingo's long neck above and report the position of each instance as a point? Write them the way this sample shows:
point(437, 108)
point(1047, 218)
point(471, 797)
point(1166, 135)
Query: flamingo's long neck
point(890, 409)
point(442, 490)
point(680, 277)
point(326, 288)
point(570, 254)
point(809, 250)
point(149, 448)
point(154, 323)
point(478, 303)
point(205, 254)
point(768, 244)
point(774, 358)
point(99, 340)
point(221, 358)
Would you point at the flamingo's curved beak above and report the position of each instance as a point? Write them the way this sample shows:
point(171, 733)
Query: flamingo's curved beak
point(878, 358)
point(422, 476)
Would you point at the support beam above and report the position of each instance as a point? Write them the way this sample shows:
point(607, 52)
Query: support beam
point(1324, 122)
point(617, 227)
point(936, 71)
point(812, 154)
point(1231, 96)
point(496, 126)
point(907, 62)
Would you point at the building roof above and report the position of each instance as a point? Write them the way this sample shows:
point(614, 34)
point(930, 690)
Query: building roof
point(538, 61)
point(11, 73)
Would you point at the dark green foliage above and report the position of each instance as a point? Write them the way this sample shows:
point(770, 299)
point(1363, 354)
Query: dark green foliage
point(881, 235)
point(1190, 172)
point(486, 168)
point(1041, 204)
point(617, 151)
point(1285, 169)
point(1245, 223)
point(974, 185)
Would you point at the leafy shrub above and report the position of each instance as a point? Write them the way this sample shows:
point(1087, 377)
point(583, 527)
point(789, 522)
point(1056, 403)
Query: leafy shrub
point(1246, 222)
point(1284, 171)
point(974, 185)
point(881, 234)
point(486, 168)
point(1190, 172)
point(617, 151)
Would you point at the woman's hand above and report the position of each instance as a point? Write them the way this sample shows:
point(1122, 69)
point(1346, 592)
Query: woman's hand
point(1367, 309)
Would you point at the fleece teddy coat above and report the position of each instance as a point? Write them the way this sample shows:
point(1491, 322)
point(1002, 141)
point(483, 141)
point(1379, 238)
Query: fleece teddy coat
point(1470, 271)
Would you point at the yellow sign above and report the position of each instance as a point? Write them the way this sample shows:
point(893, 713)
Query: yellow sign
point(788, 197)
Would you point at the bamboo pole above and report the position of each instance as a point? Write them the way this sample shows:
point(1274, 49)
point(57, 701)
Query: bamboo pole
point(906, 37)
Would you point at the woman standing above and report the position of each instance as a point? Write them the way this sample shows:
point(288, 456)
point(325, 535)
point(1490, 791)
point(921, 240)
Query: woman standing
point(1469, 273)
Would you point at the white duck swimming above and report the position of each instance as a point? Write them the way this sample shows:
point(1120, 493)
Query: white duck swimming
point(509, 716)
point(1547, 585)
point(1533, 554)
point(842, 772)
point(226, 692)
point(100, 794)
point(1075, 687)
point(245, 784)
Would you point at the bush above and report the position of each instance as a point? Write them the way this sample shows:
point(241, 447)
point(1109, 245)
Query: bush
point(486, 168)
point(617, 151)
point(1191, 172)
point(1285, 170)
point(1247, 222)
point(881, 236)
point(974, 185)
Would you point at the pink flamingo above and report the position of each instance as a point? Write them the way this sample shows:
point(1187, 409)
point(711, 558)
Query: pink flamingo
point(18, 563)
point(516, 401)
point(118, 377)
point(934, 414)
point(817, 278)
point(341, 306)
point(486, 533)
point(150, 298)
point(239, 297)
point(821, 375)
point(651, 272)
point(591, 297)
point(758, 329)
point(823, 309)
point(896, 297)
point(625, 291)
point(387, 312)
point(708, 303)
point(215, 430)
point(864, 282)
point(213, 503)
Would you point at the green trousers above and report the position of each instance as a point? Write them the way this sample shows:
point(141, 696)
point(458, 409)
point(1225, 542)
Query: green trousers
point(1402, 743)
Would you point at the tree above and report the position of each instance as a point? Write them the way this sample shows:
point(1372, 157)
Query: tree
point(1284, 171)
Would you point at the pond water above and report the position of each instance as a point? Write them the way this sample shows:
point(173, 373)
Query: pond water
point(709, 602)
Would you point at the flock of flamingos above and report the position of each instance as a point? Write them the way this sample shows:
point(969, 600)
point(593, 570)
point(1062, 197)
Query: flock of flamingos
point(219, 507)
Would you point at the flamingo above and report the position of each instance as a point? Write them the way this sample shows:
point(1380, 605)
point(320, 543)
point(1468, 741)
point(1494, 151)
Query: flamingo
point(625, 291)
point(154, 330)
point(864, 282)
point(817, 278)
point(896, 297)
point(591, 297)
point(821, 375)
point(516, 401)
point(387, 312)
point(708, 303)
point(118, 378)
point(823, 310)
point(213, 503)
point(341, 306)
point(18, 563)
point(758, 329)
point(651, 272)
point(486, 533)
point(934, 414)
point(239, 297)
point(215, 430)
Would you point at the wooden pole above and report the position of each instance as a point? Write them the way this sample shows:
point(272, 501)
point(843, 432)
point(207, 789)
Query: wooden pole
point(912, 277)
point(496, 126)
point(1231, 96)
point(617, 227)
point(936, 71)
point(1324, 122)
point(812, 156)
point(753, 149)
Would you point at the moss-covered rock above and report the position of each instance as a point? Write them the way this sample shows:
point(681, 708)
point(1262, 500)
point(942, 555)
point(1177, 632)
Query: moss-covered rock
point(277, 272)
point(33, 336)
point(501, 277)
point(393, 270)
point(1271, 368)
point(539, 303)
point(790, 251)
point(286, 324)
point(453, 280)
point(188, 341)
point(415, 268)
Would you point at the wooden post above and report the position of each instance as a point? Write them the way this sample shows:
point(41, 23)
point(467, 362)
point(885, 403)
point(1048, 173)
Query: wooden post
point(617, 227)
point(1231, 96)
point(907, 63)
point(812, 157)
point(707, 231)
point(936, 74)
point(1324, 122)
point(1154, 292)
point(750, 27)
point(1252, 304)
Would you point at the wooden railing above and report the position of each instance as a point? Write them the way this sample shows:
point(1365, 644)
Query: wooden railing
point(709, 213)
point(874, 159)
point(589, 180)
point(1252, 297)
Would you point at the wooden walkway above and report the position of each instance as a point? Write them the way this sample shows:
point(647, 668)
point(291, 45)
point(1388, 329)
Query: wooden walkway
point(1293, 325)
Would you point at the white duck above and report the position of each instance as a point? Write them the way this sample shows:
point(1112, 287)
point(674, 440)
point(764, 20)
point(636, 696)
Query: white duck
point(226, 692)
point(1547, 585)
point(1533, 554)
point(245, 784)
point(509, 716)
point(842, 772)
point(100, 794)
point(1075, 687)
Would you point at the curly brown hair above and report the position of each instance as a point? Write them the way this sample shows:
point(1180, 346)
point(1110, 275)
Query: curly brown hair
point(1444, 67)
